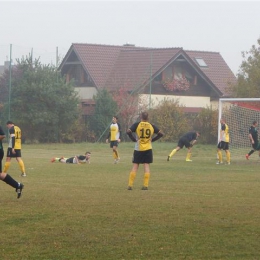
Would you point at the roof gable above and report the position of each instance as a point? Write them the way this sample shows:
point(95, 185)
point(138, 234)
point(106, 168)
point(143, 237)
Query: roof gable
point(217, 70)
point(133, 67)
point(98, 60)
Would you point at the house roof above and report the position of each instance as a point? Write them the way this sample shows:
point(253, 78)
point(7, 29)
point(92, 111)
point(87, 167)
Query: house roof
point(133, 67)
point(217, 71)
point(98, 60)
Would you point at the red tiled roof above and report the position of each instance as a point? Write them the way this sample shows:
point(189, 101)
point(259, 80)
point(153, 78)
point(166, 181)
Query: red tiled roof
point(217, 69)
point(99, 60)
point(132, 67)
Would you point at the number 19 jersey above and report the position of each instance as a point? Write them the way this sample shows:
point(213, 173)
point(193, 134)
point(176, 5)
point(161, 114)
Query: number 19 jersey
point(144, 132)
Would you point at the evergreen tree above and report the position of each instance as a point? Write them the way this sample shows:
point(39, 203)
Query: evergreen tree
point(41, 102)
point(105, 109)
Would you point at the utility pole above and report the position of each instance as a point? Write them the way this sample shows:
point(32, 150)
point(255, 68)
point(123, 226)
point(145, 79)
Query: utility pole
point(10, 84)
point(150, 88)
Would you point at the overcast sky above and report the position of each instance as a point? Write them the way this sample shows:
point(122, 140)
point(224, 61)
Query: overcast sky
point(40, 27)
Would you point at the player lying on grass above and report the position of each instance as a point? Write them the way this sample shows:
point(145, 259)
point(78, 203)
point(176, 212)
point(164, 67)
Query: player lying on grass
point(77, 159)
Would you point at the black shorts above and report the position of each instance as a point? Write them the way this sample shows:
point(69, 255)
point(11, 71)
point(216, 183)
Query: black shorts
point(113, 143)
point(18, 153)
point(70, 160)
point(143, 156)
point(223, 145)
point(184, 141)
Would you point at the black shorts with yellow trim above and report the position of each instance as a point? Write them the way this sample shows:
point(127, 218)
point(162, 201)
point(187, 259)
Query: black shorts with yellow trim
point(141, 157)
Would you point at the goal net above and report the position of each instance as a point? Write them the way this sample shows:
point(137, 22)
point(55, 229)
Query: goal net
point(239, 114)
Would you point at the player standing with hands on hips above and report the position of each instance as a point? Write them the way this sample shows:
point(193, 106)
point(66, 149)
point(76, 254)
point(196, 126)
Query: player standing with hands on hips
point(143, 153)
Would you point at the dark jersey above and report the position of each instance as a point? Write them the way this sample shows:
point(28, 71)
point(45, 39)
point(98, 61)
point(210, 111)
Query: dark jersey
point(190, 136)
point(81, 159)
point(1, 133)
point(253, 131)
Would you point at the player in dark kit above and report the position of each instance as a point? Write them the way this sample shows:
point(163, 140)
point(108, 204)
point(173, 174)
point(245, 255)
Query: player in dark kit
point(77, 159)
point(187, 140)
point(253, 137)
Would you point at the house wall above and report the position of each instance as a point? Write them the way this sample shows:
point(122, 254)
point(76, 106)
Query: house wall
point(187, 101)
point(86, 92)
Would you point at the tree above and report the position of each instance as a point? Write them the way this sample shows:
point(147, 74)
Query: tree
point(248, 78)
point(170, 118)
point(42, 103)
point(105, 109)
point(127, 106)
point(206, 122)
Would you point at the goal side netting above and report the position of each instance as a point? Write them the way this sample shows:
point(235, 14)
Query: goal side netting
point(239, 114)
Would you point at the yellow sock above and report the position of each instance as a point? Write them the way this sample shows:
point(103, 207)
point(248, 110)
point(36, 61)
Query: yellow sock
point(7, 165)
point(188, 156)
point(21, 164)
point(146, 179)
point(228, 156)
point(219, 156)
point(173, 152)
point(131, 179)
point(114, 155)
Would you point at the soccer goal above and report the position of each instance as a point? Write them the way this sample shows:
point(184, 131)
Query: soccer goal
point(239, 114)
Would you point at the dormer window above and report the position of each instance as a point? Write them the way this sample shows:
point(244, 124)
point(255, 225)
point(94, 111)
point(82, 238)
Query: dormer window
point(201, 62)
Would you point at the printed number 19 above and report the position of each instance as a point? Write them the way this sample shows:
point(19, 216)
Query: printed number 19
point(145, 133)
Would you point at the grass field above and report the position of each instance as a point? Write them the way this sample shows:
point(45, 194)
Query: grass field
point(196, 210)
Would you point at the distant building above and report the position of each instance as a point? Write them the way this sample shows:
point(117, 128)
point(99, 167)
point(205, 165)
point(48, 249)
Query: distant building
point(196, 79)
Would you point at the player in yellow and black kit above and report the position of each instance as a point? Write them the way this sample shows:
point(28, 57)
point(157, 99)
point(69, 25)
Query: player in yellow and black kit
point(114, 136)
point(4, 176)
point(143, 153)
point(14, 147)
point(223, 142)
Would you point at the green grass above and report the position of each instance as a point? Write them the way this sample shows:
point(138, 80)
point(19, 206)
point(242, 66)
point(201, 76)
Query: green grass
point(196, 210)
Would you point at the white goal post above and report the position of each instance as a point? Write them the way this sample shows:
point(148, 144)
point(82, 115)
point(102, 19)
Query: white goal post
point(239, 114)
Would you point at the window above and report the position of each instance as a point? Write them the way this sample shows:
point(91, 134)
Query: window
point(201, 62)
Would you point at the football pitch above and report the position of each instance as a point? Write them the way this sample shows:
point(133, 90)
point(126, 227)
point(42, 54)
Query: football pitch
point(192, 210)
